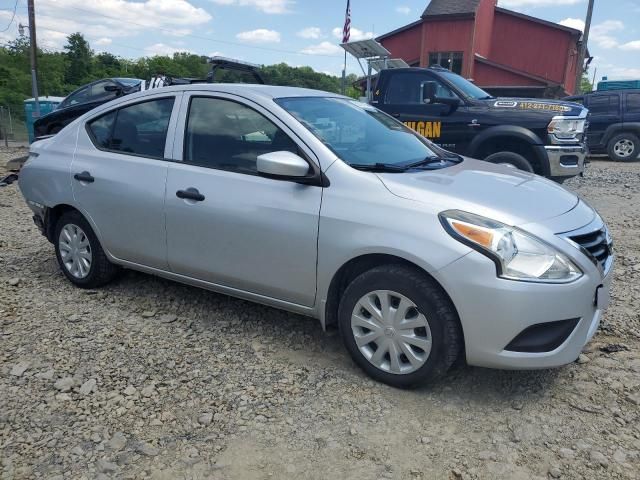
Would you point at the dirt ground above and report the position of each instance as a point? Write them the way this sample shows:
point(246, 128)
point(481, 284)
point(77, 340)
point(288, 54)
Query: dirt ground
point(151, 379)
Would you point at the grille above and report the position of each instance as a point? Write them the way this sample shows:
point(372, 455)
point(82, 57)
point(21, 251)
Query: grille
point(596, 243)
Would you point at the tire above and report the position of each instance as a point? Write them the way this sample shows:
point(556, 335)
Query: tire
point(510, 158)
point(428, 301)
point(624, 147)
point(91, 273)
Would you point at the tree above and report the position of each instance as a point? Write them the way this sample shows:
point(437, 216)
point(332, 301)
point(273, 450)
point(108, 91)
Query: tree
point(79, 55)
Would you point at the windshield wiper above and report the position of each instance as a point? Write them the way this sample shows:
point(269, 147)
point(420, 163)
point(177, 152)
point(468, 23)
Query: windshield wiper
point(431, 160)
point(378, 167)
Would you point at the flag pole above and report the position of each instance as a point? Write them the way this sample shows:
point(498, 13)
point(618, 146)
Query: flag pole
point(344, 74)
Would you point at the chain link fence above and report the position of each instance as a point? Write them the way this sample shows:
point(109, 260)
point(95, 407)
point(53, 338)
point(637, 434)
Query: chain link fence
point(12, 124)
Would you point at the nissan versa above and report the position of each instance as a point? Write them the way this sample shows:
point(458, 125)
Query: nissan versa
point(327, 207)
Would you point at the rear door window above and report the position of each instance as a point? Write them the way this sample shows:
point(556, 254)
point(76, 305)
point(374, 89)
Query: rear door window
point(633, 103)
point(604, 105)
point(139, 129)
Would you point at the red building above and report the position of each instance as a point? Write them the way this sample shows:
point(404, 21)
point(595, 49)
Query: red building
point(505, 52)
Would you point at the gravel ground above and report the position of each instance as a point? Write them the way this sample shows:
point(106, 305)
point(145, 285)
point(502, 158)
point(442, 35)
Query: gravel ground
point(151, 379)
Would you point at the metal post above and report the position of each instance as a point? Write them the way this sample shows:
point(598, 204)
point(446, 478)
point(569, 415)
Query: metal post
point(582, 51)
point(343, 88)
point(369, 82)
point(3, 128)
point(34, 66)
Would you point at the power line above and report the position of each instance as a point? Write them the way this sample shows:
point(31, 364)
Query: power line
point(15, 7)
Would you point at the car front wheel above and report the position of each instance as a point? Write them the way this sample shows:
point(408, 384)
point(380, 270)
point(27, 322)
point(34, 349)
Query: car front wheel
point(80, 254)
point(399, 326)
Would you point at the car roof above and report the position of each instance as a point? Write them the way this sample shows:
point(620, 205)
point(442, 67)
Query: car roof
point(265, 91)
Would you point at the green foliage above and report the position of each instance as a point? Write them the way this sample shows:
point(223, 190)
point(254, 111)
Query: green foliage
point(61, 73)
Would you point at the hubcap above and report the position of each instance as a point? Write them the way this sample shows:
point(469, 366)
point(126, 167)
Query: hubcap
point(75, 250)
point(390, 332)
point(624, 148)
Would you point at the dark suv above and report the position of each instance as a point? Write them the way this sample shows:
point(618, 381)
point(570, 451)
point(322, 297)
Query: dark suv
point(614, 122)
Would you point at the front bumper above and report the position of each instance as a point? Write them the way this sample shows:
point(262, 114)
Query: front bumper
point(494, 311)
point(566, 160)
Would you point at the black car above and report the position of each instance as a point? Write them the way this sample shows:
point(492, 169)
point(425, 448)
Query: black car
point(614, 122)
point(84, 99)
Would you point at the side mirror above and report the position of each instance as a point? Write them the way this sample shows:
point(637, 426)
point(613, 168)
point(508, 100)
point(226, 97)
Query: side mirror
point(282, 164)
point(429, 90)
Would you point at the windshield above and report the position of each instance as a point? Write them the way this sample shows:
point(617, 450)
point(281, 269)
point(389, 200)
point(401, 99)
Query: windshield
point(467, 88)
point(358, 133)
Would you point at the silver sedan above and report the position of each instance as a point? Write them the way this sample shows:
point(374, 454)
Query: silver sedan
point(324, 206)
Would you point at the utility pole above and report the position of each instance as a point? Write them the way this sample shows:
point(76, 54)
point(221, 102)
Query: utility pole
point(582, 51)
point(34, 51)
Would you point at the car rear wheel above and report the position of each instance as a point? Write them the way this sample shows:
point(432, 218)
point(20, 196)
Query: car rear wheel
point(511, 159)
point(624, 147)
point(399, 326)
point(79, 253)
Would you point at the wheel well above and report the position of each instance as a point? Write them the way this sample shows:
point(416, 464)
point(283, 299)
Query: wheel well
point(509, 144)
point(357, 266)
point(51, 219)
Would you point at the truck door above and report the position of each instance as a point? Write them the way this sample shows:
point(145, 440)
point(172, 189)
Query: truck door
point(631, 108)
point(401, 96)
point(604, 110)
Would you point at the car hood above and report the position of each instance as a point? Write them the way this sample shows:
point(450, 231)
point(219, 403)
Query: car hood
point(498, 192)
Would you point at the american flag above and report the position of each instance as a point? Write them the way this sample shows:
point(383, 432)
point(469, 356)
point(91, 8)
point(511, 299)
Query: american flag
point(346, 31)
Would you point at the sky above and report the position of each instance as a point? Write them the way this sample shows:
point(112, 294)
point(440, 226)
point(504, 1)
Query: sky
point(298, 32)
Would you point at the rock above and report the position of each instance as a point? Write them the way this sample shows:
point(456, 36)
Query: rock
point(599, 458)
point(168, 318)
point(156, 422)
point(48, 375)
point(63, 397)
point(486, 455)
point(148, 313)
point(64, 384)
point(75, 318)
point(88, 387)
point(353, 431)
point(614, 348)
point(14, 282)
point(118, 441)
point(566, 453)
point(555, 472)
point(634, 398)
point(130, 391)
point(148, 391)
point(146, 449)
point(205, 418)
point(425, 440)
point(19, 368)
point(620, 456)
point(582, 359)
point(457, 473)
point(105, 466)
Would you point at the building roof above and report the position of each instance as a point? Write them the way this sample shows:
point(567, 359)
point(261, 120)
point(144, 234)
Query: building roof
point(539, 20)
point(401, 29)
point(451, 7)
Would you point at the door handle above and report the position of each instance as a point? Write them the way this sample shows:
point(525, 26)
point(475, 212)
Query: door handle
point(190, 194)
point(84, 177)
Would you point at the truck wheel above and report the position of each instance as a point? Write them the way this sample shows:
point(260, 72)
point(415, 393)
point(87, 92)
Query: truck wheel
point(79, 253)
point(510, 158)
point(624, 147)
point(399, 326)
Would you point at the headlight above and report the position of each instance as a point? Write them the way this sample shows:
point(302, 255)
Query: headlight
point(566, 128)
point(517, 254)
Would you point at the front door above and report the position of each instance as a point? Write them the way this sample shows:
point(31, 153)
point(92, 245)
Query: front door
point(403, 100)
point(225, 223)
point(604, 110)
point(118, 175)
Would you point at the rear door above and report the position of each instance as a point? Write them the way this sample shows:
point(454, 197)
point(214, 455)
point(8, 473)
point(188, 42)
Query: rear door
point(402, 98)
point(244, 231)
point(604, 110)
point(119, 173)
point(631, 108)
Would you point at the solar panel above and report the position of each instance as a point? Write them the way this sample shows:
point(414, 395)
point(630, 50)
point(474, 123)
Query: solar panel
point(383, 64)
point(366, 49)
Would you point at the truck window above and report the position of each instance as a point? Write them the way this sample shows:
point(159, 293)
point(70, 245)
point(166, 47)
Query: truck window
point(633, 103)
point(604, 105)
point(406, 88)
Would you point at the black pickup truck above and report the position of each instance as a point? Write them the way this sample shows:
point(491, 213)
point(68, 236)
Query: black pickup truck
point(541, 136)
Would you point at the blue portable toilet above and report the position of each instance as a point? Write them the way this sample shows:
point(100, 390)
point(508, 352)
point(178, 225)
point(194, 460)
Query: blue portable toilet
point(47, 105)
